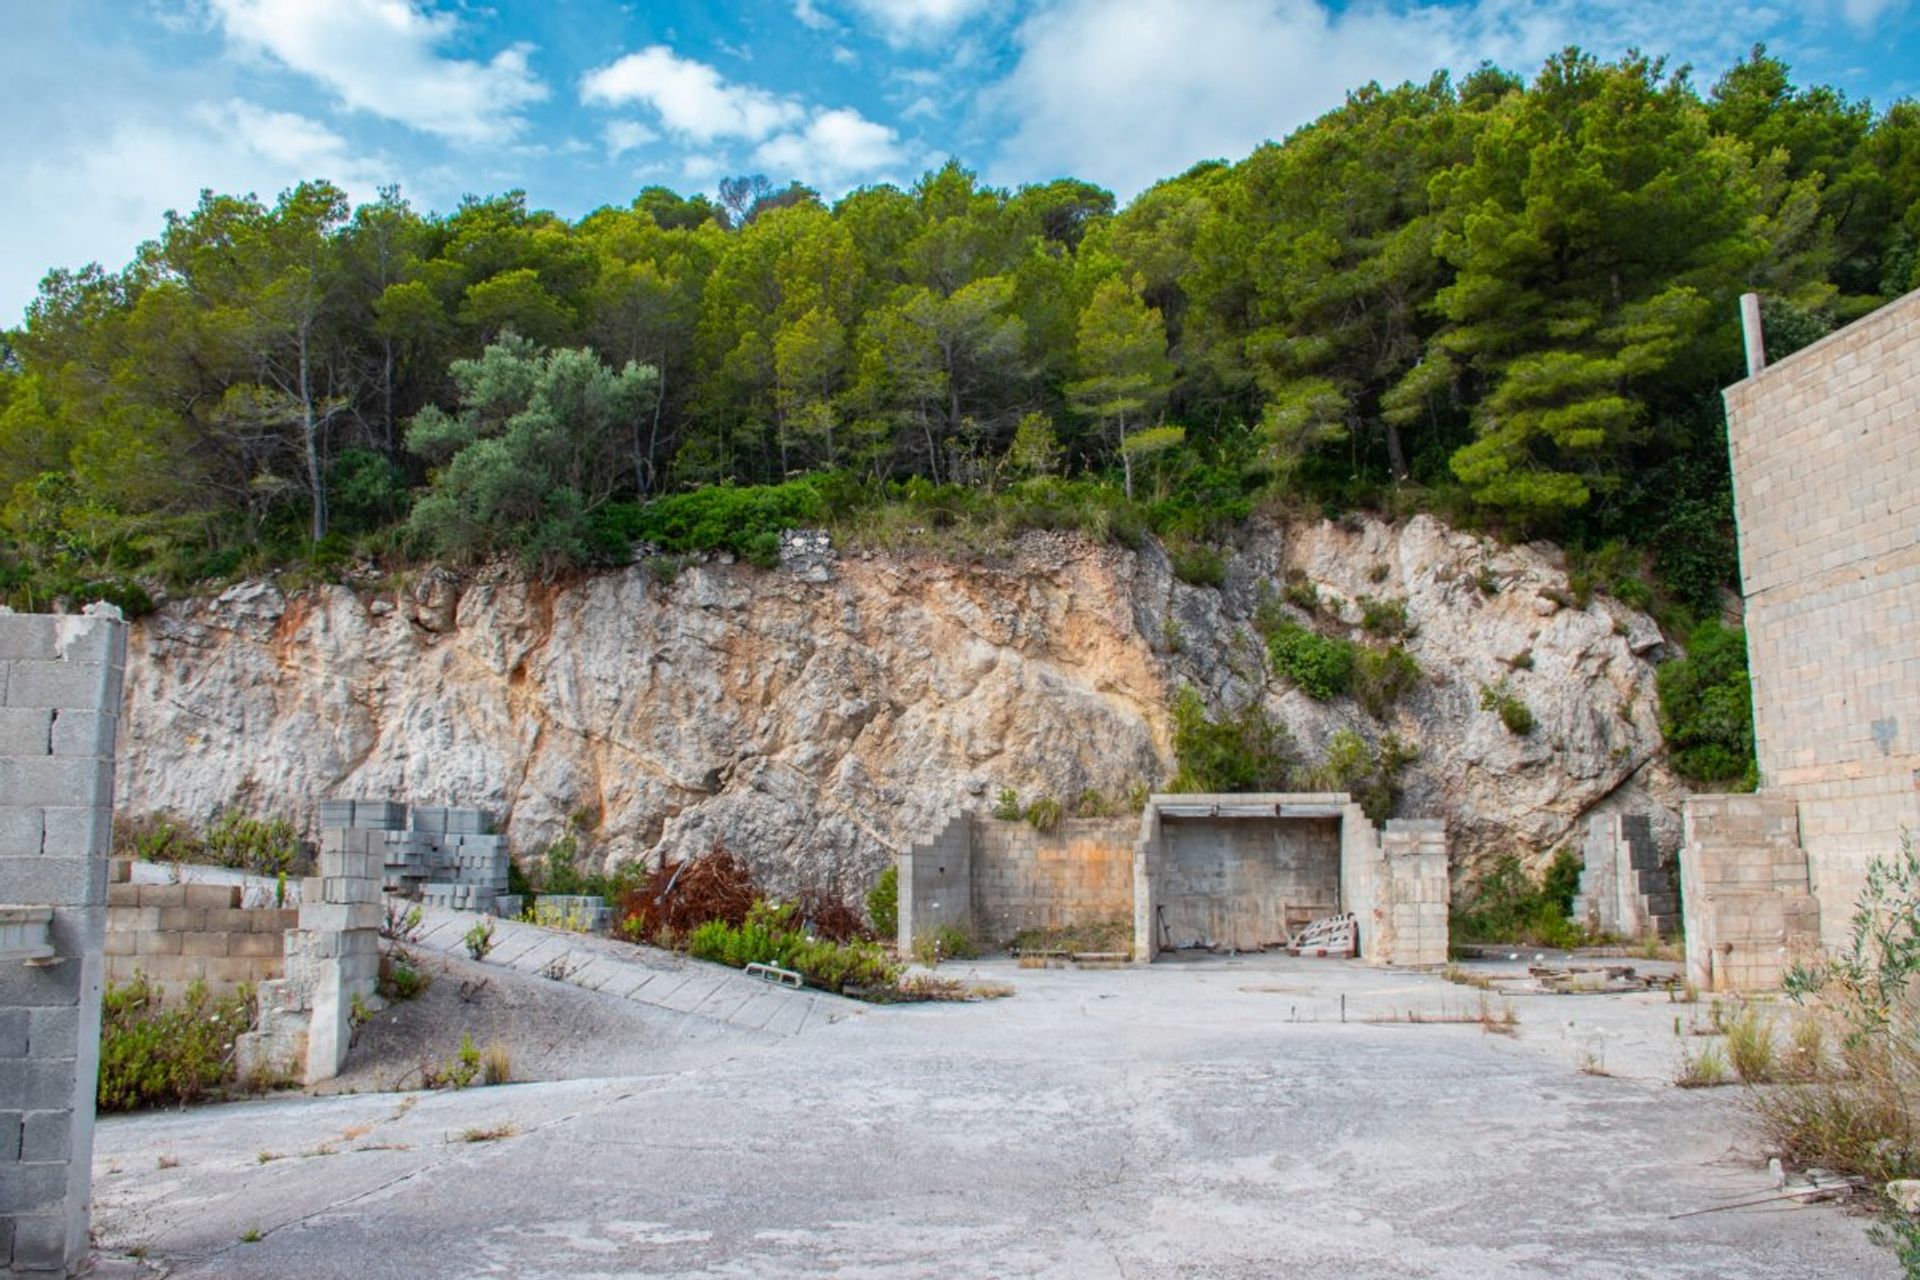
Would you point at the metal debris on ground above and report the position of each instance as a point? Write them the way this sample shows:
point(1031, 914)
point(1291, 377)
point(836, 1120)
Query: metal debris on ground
point(1333, 936)
point(1609, 980)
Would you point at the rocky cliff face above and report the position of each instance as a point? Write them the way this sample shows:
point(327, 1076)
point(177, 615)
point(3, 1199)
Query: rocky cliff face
point(816, 717)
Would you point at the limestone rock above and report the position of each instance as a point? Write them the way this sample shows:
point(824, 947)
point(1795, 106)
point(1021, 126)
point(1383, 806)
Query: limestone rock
point(816, 717)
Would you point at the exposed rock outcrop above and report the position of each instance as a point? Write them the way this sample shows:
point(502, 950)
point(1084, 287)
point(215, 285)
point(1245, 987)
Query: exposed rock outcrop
point(817, 716)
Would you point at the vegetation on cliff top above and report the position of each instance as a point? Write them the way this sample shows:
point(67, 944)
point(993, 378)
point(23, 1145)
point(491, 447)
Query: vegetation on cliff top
point(1512, 303)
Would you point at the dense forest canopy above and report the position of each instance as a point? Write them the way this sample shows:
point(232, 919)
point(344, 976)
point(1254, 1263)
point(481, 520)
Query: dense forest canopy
point(1511, 302)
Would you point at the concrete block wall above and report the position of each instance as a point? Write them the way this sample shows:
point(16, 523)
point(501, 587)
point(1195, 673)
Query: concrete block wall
point(1829, 523)
point(936, 880)
point(1361, 871)
point(177, 934)
point(60, 684)
point(1413, 895)
point(1080, 873)
point(1750, 912)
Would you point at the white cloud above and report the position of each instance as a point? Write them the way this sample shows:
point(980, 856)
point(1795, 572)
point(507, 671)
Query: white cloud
point(903, 22)
point(835, 147)
point(624, 135)
point(1865, 14)
point(99, 202)
point(690, 97)
point(807, 14)
point(1125, 92)
point(791, 138)
point(382, 57)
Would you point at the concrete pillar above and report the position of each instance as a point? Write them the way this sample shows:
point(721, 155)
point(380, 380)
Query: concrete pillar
point(62, 678)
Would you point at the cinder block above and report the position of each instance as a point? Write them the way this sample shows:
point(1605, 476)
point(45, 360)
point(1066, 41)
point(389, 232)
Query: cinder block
point(53, 1032)
point(183, 919)
point(57, 882)
point(13, 1040)
point(26, 731)
point(80, 685)
point(163, 895)
point(158, 942)
point(40, 1241)
point(203, 944)
point(78, 832)
point(21, 831)
point(36, 1084)
point(122, 898)
point(254, 944)
point(123, 942)
point(213, 895)
point(84, 734)
point(46, 1136)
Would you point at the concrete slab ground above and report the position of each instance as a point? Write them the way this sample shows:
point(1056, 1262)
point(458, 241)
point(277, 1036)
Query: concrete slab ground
point(1207, 1118)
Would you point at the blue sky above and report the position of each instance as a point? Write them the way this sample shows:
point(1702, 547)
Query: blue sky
point(118, 110)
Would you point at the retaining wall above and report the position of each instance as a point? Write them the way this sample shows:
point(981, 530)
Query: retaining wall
point(177, 934)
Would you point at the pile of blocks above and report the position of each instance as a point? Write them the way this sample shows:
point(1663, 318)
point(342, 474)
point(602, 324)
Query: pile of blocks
point(448, 856)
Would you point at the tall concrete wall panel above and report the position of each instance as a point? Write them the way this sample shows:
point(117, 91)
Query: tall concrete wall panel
point(1822, 445)
point(936, 881)
point(61, 678)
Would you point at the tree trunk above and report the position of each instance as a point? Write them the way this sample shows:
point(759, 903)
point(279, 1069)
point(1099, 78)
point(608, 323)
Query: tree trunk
point(1126, 459)
point(386, 395)
point(310, 428)
point(1396, 455)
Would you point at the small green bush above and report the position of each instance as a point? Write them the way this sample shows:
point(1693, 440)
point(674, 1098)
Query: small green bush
point(479, 939)
point(1706, 710)
point(1508, 905)
point(1247, 751)
point(1006, 806)
point(1514, 714)
point(1197, 563)
point(1371, 775)
point(948, 942)
point(1384, 617)
point(768, 936)
point(1044, 814)
point(883, 904)
point(151, 1055)
point(1382, 676)
point(1321, 666)
point(746, 520)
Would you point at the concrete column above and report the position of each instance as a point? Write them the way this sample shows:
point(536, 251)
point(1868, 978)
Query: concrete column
point(62, 678)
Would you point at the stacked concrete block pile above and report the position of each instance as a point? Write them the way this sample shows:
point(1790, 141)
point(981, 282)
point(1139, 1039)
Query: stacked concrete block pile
point(447, 856)
point(61, 679)
point(582, 913)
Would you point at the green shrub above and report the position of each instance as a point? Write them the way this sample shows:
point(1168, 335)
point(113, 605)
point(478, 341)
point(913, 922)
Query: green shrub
point(1384, 617)
point(1044, 814)
point(261, 846)
point(1706, 710)
point(948, 942)
point(1381, 676)
point(1197, 563)
point(768, 936)
point(1514, 714)
point(478, 940)
point(1371, 775)
point(746, 520)
point(1508, 905)
point(151, 1055)
point(883, 904)
point(1321, 666)
point(1093, 803)
point(1006, 806)
point(1248, 751)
